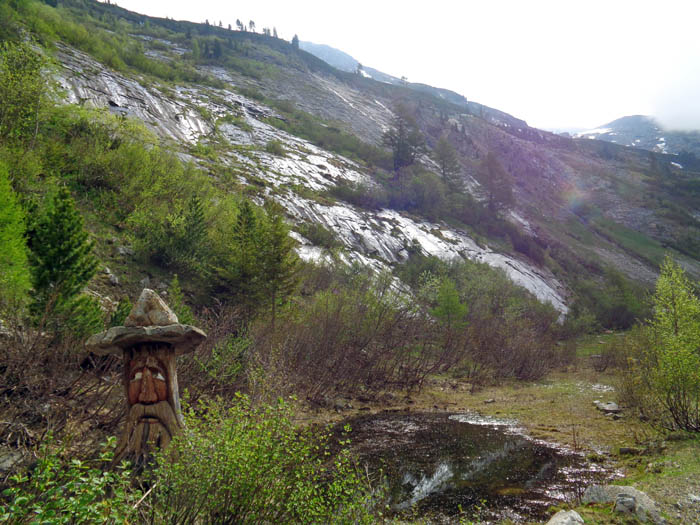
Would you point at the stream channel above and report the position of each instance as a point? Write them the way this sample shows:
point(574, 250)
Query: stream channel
point(444, 466)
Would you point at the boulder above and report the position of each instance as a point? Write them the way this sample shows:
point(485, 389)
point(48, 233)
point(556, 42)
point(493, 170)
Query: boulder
point(608, 408)
point(150, 310)
point(565, 517)
point(626, 499)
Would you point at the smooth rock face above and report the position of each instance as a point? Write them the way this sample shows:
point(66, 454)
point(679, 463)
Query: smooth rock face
point(565, 517)
point(150, 310)
point(627, 500)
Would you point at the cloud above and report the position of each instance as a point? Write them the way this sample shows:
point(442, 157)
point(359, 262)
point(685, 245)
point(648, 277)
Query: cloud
point(677, 104)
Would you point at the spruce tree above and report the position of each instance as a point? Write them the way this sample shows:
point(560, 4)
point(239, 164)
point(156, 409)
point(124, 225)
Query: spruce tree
point(14, 272)
point(404, 138)
point(61, 256)
point(262, 267)
point(243, 272)
point(448, 161)
point(497, 182)
point(279, 262)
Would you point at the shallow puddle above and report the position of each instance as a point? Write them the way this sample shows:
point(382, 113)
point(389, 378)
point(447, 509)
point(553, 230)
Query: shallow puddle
point(446, 465)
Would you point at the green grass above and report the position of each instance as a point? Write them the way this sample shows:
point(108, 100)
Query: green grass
point(593, 344)
point(632, 241)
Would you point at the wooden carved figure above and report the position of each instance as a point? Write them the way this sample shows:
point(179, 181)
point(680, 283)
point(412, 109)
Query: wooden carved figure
point(149, 342)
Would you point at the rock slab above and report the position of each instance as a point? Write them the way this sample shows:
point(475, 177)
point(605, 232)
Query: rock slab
point(565, 517)
point(627, 500)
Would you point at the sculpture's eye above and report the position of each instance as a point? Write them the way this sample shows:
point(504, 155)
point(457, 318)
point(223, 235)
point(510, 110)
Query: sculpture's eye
point(159, 376)
point(137, 376)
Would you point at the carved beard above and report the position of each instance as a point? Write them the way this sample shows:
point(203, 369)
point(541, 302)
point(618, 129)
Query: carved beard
point(148, 427)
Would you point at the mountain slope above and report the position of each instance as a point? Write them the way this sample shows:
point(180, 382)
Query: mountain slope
point(580, 205)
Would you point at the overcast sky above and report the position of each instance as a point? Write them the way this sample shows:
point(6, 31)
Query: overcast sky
point(553, 63)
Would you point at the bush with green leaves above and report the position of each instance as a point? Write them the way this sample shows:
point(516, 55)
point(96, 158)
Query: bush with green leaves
point(14, 270)
point(675, 378)
point(23, 91)
point(246, 464)
point(59, 490)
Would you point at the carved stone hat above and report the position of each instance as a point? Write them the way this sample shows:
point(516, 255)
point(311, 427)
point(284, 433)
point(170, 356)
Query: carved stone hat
point(150, 321)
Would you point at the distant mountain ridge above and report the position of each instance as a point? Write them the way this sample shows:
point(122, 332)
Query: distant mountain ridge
point(644, 132)
point(345, 62)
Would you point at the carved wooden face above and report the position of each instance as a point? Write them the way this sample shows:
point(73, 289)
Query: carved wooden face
point(147, 380)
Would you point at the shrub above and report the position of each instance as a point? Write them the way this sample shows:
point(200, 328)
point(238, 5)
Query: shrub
point(14, 273)
point(319, 235)
point(23, 91)
point(663, 379)
point(359, 334)
point(506, 332)
point(676, 323)
point(275, 147)
point(252, 465)
point(374, 198)
point(59, 490)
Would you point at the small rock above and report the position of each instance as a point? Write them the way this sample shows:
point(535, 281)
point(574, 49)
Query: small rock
point(608, 408)
point(625, 504)
point(113, 280)
point(107, 271)
point(162, 286)
point(644, 507)
point(629, 451)
point(145, 282)
point(341, 404)
point(565, 517)
point(490, 401)
point(693, 498)
point(150, 310)
point(125, 250)
point(9, 457)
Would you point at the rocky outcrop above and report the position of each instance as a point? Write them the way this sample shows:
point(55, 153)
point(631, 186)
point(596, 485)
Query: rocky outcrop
point(627, 500)
point(375, 239)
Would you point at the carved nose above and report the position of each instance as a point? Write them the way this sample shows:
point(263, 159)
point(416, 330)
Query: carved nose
point(148, 391)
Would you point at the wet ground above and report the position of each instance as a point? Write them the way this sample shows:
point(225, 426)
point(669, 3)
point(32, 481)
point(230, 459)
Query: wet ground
point(444, 465)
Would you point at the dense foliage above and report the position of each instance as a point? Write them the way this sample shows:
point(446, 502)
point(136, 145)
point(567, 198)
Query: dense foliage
point(66, 491)
point(247, 464)
point(14, 271)
point(662, 372)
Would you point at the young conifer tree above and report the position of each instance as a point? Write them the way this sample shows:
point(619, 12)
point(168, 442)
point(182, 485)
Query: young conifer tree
point(61, 256)
point(278, 261)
